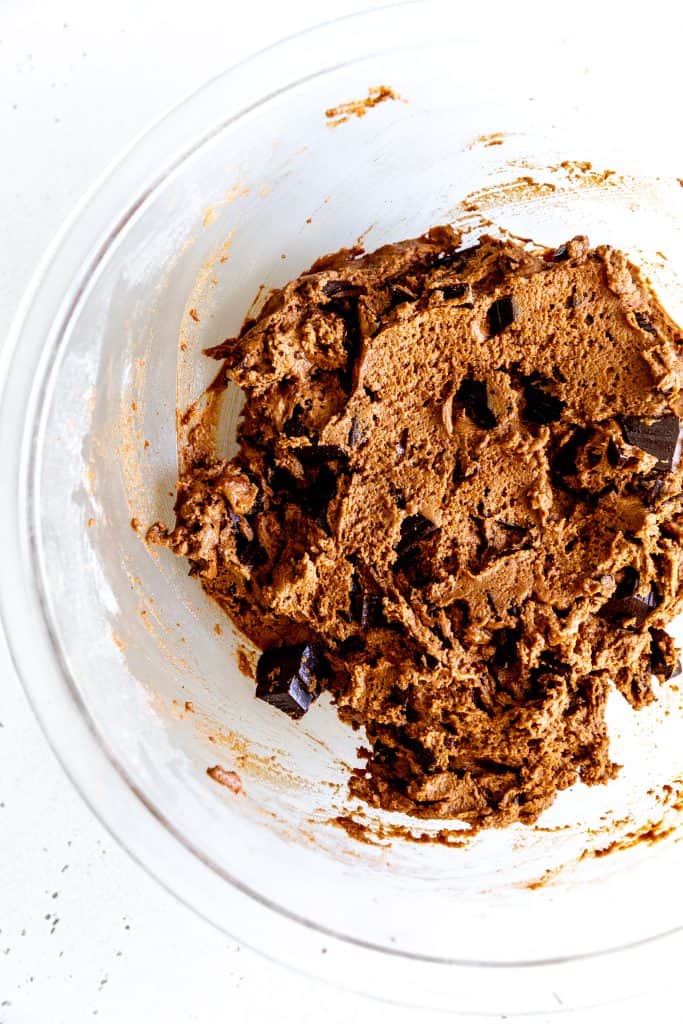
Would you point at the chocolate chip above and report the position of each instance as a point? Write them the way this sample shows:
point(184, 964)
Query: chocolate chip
point(561, 253)
point(501, 314)
point(644, 323)
point(626, 603)
point(289, 677)
point(664, 659)
point(657, 436)
point(414, 529)
point(473, 396)
point(342, 289)
point(540, 406)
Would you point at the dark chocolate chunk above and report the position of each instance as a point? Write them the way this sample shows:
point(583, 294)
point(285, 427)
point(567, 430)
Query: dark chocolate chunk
point(551, 662)
point(342, 290)
point(317, 454)
point(626, 603)
point(346, 308)
point(473, 396)
point(658, 436)
point(399, 293)
point(312, 666)
point(383, 753)
point(352, 645)
point(399, 496)
point(615, 456)
point(640, 691)
point(402, 443)
point(366, 605)
point(628, 584)
point(248, 550)
point(294, 426)
point(371, 611)
point(280, 479)
point(647, 488)
point(664, 659)
point(454, 291)
point(644, 323)
point(424, 757)
point(501, 314)
point(414, 529)
point(453, 257)
point(357, 433)
point(561, 253)
point(540, 406)
point(318, 494)
point(250, 553)
point(289, 677)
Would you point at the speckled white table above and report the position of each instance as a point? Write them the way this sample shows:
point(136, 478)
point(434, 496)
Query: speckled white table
point(84, 933)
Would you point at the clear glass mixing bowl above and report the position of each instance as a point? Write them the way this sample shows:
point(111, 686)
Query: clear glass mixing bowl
point(139, 692)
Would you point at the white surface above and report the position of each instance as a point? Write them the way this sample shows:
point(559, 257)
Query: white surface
point(83, 932)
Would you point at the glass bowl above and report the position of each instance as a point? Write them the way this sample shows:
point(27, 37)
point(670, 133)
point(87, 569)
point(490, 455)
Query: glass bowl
point(134, 674)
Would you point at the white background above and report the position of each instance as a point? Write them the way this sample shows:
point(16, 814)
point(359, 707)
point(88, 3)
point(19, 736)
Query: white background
point(84, 933)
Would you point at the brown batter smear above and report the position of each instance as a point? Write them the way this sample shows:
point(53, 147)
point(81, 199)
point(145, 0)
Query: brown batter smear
point(648, 835)
point(535, 187)
point(457, 508)
point(379, 834)
point(359, 108)
point(244, 663)
point(490, 139)
point(229, 779)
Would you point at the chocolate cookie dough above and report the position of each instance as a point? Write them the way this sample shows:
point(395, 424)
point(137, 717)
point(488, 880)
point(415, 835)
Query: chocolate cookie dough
point(456, 507)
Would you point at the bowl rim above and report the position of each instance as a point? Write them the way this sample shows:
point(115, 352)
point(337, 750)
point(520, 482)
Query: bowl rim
point(22, 591)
